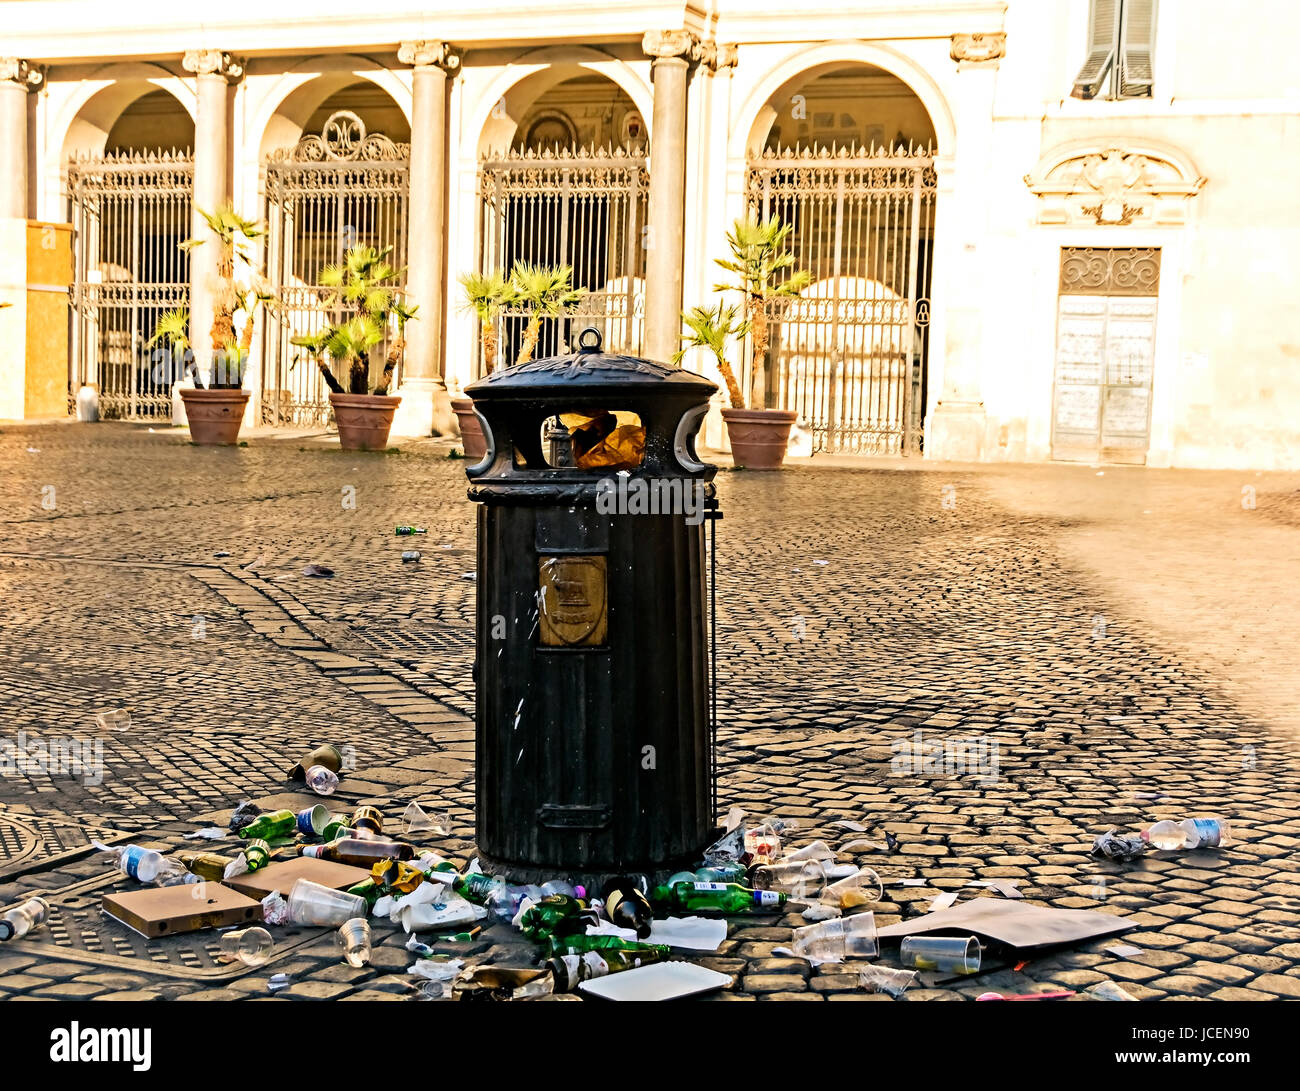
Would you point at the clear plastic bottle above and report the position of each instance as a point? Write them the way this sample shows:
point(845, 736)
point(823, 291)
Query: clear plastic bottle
point(144, 865)
point(1191, 833)
point(17, 922)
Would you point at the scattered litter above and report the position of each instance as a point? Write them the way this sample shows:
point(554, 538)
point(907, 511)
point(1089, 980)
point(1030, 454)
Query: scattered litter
point(1191, 833)
point(318, 570)
point(944, 901)
point(846, 824)
point(20, 920)
point(1057, 994)
point(143, 865)
point(909, 882)
point(498, 982)
point(1148, 797)
point(861, 844)
point(729, 848)
point(821, 563)
point(469, 576)
point(278, 982)
point(1008, 888)
point(836, 940)
point(251, 946)
point(353, 938)
point(859, 887)
point(114, 719)
point(882, 979)
point(820, 911)
point(275, 910)
point(406, 531)
point(244, 814)
point(1107, 990)
point(418, 820)
point(174, 910)
point(1015, 923)
point(817, 850)
point(209, 833)
point(328, 756)
point(1124, 950)
point(660, 981)
point(1117, 846)
point(943, 954)
point(322, 781)
point(312, 903)
point(433, 970)
point(221, 553)
point(411, 555)
point(683, 933)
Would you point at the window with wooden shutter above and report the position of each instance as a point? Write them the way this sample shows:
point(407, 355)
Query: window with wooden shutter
point(1121, 41)
point(1103, 43)
point(1136, 44)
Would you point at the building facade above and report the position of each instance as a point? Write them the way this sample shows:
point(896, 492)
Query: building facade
point(1036, 229)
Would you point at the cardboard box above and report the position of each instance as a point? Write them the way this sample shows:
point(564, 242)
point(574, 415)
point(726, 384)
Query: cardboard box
point(174, 910)
point(282, 874)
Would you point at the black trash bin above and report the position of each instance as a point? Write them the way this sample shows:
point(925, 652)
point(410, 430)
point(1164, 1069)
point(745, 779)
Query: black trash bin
point(593, 728)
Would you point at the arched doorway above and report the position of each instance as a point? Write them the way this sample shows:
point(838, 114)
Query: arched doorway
point(130, 182)
point(843, 153)
point(343, 183)
point(563, 180)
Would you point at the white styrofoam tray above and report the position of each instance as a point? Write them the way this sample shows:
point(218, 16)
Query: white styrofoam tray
point(658, 981)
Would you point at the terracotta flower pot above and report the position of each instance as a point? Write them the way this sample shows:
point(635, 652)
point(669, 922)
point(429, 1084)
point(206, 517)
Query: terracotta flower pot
point(214, 416)
point(759, 437)
point(471, 429)
point(364, 420)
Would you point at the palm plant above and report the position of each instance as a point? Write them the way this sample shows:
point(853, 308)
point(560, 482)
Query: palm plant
point(547, 291)
point(711, 328)
point(232, 233)
point(486, 295)
point(759, 254)
point(364, 291)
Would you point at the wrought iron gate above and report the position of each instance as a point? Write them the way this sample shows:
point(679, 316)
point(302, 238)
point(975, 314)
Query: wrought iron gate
point(130, 212)
point(849, 353)
point(585, 208)
point(343, 188)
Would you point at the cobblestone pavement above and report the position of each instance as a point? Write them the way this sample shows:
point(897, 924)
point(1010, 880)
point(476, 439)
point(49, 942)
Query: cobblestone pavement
point(1118, 634)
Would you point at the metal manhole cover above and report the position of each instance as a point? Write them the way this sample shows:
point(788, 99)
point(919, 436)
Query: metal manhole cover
point(36, 841)
point(77, 930)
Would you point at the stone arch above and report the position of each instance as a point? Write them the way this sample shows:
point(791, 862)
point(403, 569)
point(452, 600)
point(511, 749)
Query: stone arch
point(284, 112)
point(755, 115)
point(99, 101)
point(537, 72)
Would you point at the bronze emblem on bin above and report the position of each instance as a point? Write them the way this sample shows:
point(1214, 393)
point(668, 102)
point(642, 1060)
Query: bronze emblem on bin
point(571, 601)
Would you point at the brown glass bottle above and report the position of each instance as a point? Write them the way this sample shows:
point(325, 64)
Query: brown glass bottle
point(206, 865)
point(360, 851)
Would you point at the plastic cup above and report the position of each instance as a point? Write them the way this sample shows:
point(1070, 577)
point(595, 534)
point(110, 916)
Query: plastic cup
point(313, 820)
point(311, 903)
point(251, 946)
point(861, 887)
point(354, 941)
point(800, 879)
point(836, 940)
point(946, 954)
point(418, 820)
point(762, 842)
point(114, 719)
point(558, 886)
point(818, 850)
point(322, 781)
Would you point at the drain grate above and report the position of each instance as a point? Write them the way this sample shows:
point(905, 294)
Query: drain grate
point(432, 638)
point(77, 930)
point(34, 841)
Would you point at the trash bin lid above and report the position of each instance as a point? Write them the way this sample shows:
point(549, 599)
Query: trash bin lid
point(589, 372)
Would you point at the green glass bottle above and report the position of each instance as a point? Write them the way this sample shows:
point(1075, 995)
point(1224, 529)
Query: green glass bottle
point(474, 887)
point(403, 532)
point(258, 854)
point(568, 970)
point(368, 889)
point(337, 829)
point(719, 897)
point(577, 944)
point(556, 915)
point(271, 825)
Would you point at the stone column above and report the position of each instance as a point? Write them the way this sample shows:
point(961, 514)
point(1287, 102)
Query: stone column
point(673, 51)
point(956, 428)
point(17, 78)
point(426, 405)
point(214, 72)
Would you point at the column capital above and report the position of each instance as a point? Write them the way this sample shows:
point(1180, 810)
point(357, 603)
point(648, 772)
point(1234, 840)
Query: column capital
point(213, 62)
point(422, 54)
point(716, 56)
point(668, 44)
point(28, 76)
point(978, 48)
